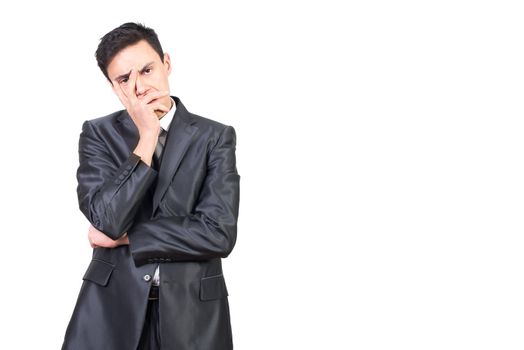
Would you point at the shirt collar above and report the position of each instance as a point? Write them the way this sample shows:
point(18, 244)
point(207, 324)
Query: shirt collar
point(165, 121)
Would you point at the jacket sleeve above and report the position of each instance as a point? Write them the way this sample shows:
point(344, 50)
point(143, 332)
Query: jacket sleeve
point(210, 230)
point(109, 195)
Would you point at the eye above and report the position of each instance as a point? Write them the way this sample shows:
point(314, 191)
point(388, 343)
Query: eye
point(147, 70)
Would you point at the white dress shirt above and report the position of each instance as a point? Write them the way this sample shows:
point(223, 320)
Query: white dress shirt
point(165, 121)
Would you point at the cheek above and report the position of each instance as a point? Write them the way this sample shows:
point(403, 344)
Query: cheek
point(158, 83)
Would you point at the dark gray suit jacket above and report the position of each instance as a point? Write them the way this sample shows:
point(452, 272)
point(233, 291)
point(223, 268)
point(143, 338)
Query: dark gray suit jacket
point(184, 217)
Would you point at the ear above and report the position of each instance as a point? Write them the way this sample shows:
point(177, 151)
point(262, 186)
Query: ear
point(167, 63)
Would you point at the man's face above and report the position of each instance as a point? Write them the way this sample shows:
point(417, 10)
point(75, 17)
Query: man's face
point(152, 73)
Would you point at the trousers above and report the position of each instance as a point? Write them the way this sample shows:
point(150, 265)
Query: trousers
point(150, 337)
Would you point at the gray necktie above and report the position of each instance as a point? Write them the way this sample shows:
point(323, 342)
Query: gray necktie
point(159, 150)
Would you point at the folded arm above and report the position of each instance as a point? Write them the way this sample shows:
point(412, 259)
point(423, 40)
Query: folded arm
point(109, 195)
point(210, 230)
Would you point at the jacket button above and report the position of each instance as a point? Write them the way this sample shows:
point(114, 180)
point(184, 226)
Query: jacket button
point(147, 278)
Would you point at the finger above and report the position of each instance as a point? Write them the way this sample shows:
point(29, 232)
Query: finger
point(159, 106)
point(154, 95)
point(131, 87)
point(109, 243)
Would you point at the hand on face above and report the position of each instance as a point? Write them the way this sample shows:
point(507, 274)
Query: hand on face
point(141, 110)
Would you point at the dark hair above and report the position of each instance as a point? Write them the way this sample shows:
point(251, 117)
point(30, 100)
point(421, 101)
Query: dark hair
point(121, 37)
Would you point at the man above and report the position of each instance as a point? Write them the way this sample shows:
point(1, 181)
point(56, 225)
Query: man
point(163, 206)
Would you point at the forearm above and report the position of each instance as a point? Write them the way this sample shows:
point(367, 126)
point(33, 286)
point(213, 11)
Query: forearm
point(210, 230)
point(110, 195)
point(177, 238)
point(112, 207)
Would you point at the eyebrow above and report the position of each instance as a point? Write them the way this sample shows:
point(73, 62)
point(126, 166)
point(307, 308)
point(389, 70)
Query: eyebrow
point(122, 76)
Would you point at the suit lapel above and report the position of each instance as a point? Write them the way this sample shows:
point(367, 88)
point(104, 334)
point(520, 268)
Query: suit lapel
point(178, 139)
point(179, 136)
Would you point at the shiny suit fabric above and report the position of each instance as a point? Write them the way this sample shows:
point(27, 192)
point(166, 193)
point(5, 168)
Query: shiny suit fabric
point(183, 216)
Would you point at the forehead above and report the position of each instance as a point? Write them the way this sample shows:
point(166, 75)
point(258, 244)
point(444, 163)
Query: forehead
point(133, 56)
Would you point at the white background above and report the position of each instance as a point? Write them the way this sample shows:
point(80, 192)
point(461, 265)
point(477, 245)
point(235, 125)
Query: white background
point(379, 145)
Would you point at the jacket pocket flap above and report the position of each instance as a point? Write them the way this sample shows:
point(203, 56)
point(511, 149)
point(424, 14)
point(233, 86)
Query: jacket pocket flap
point(99, 271)
point(213, 287)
